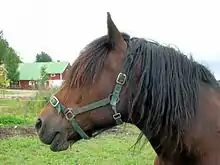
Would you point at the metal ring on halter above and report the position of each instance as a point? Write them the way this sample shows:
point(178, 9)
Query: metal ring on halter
point(117, 116)
point(54, 104)
point(121, 78)
point(69, 114)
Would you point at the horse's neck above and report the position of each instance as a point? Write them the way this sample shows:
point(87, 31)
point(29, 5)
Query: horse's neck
point(211, 159)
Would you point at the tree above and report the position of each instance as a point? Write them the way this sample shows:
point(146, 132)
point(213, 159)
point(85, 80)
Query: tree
point(4, 82)
point(1, 34)
point(43, 77)
point(3, 47)
point(43, 57)
point(43, 74)
point(10, 59)
point(11, 63)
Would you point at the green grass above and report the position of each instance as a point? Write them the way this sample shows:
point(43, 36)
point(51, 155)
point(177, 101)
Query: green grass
point(11, 103)
point(107, 149)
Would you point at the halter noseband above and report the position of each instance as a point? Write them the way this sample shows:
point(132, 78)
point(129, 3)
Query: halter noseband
point(112, 99)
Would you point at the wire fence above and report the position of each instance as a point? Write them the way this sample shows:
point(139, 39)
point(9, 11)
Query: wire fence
point(15, 103)
point(21, 107)
point(22, 100)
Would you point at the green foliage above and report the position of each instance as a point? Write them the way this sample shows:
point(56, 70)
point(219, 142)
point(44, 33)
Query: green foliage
point(10, 59)
point(4, 83)
point(3, 49)
point(43, 57)
point(43, 74)
point(43, 77)
point(11, 63)
point(11, 120)
point(1, 34)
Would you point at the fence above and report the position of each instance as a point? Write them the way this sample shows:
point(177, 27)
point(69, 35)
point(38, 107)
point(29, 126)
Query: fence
point(23, 104)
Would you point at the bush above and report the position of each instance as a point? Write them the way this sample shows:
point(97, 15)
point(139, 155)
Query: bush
point(9, 119)
point(4, 83)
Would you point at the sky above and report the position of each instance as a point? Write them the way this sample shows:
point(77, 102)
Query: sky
point(62, 28)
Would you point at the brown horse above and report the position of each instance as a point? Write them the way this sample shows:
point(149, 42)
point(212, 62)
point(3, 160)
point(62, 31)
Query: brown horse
point(172, 99)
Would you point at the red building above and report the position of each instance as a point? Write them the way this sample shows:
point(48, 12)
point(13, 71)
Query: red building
point(30, 73)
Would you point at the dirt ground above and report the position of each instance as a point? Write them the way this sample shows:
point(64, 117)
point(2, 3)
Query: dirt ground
point(10, 131)
point(29, 130)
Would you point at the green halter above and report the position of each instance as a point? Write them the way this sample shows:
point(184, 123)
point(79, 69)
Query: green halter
point(112, 99)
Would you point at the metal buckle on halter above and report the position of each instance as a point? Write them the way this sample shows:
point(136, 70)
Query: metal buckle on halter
point(117, 116)
point(54, 101)
point(69, 114)
point(121, 78)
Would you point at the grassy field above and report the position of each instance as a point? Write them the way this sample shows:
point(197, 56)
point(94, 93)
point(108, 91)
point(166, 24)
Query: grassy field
point(13, 103)
point(107, 149)
point(21, 146)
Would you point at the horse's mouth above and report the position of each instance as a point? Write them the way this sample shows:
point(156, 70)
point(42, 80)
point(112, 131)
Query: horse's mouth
point(60, 142)
point(48, 139)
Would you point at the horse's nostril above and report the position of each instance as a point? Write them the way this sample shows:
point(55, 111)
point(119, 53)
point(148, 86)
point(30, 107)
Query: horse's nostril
point(38, 124)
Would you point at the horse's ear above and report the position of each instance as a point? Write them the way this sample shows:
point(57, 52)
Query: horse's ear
point(114, 36)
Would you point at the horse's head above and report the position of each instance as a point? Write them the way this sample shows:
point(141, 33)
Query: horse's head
point(93, 96)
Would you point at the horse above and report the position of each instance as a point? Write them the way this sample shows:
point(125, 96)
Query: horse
point(172, 99)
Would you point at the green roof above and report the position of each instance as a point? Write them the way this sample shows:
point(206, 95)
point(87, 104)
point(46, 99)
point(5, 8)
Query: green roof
point(31, 71)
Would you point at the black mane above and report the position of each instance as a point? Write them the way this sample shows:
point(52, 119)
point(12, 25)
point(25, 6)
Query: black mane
point(166, 97)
